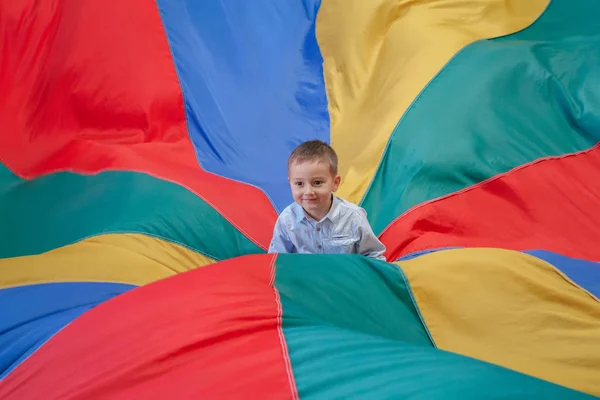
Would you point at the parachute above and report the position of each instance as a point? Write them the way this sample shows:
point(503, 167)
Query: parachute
point(143, 151)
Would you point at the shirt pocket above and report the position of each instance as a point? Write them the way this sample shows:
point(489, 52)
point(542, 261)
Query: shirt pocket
point(341, 244)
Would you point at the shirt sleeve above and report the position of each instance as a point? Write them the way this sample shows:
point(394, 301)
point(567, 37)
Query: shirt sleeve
point(280, 243)
point(369, 245)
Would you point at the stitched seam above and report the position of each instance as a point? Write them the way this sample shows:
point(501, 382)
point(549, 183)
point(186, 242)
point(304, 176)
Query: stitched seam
point(485, 182)
point(118, 232)
point(11, 370)
point(157, 176)
point(282, 341)
point(186, 116)
point(564, 276)
point(425, 88)
point(434, 78)
point(414, 301)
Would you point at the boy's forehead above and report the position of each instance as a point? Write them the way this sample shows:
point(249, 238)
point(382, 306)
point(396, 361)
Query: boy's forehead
point(312, 168)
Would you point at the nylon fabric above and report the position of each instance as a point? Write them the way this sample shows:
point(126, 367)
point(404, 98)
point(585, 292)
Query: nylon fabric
point(247, 107)
point(349, 292)
point(515, 211)
point(584, 273)
point(75, 207)
point(143, 150)
point(167, 332)
point(512, 310)
point(90, 87)
point(527, 96)
point(352, 331)
point(119, 258)
point(26, 325)
point(336, 363)
point(373, 72)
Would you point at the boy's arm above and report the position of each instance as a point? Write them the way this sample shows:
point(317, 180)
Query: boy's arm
point(369, 245)
point(280, 243)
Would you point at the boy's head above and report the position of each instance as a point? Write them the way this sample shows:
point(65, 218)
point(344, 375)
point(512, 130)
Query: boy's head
point(312, 173)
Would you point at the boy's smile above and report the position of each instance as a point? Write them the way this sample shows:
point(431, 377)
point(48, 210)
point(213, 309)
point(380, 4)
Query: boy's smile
point(312, 185)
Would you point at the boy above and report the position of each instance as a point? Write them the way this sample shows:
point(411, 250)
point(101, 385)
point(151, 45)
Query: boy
point(318, 221)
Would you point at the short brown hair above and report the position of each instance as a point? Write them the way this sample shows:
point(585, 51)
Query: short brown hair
point(313, 150)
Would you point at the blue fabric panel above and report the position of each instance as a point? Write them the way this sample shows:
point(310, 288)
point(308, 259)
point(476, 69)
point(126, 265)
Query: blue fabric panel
point(583, 272)
point(419, 253)
point(32, 314)
point(252, 80)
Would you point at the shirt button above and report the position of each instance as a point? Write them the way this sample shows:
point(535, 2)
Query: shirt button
point(319, 246)
point(318, 229)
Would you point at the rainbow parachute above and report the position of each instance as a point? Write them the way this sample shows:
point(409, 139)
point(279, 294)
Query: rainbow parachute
point(143, 151)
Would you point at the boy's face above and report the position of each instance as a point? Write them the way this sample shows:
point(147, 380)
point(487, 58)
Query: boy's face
point(312, 184)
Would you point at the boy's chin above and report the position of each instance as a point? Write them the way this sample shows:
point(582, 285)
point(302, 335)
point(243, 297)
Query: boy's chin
point(315, 205)
point(314, 209)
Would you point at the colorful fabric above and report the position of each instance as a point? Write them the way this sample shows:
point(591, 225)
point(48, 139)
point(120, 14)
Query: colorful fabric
point(143, 159)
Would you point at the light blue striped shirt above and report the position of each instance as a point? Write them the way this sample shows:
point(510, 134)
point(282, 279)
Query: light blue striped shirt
point(344, 230)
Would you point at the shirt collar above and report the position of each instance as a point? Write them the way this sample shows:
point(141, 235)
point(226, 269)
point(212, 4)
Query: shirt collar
point(331, 215)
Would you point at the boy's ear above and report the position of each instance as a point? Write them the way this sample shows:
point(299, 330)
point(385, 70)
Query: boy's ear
point(336, 182)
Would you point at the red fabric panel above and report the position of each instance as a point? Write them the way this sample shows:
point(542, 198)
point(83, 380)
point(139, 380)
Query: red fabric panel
point(212, 333)
point(89, 86)
point(551, 204)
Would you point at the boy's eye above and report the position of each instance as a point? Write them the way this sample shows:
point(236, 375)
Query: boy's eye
point(298, 183)
point(318, 183)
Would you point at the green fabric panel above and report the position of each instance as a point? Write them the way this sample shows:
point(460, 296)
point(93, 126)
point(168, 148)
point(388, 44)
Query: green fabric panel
point(352, 331)
point(330, 362)
point(497, 105)
point(59, 209)
point(349, 292)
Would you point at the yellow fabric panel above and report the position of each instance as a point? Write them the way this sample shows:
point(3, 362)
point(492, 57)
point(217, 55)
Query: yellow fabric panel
point(121, 258)
point(510, 309)
point(378, 56)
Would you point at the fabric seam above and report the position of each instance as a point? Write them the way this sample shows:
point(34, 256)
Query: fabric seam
point(485, 182)
point(282, 341)
point(414, 302)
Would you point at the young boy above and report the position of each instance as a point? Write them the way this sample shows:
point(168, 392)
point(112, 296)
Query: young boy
point(318, 221)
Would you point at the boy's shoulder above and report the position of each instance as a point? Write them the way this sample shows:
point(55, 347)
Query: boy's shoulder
point(347, 207)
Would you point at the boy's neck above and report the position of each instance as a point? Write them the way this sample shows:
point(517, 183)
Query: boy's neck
point(324, 214)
